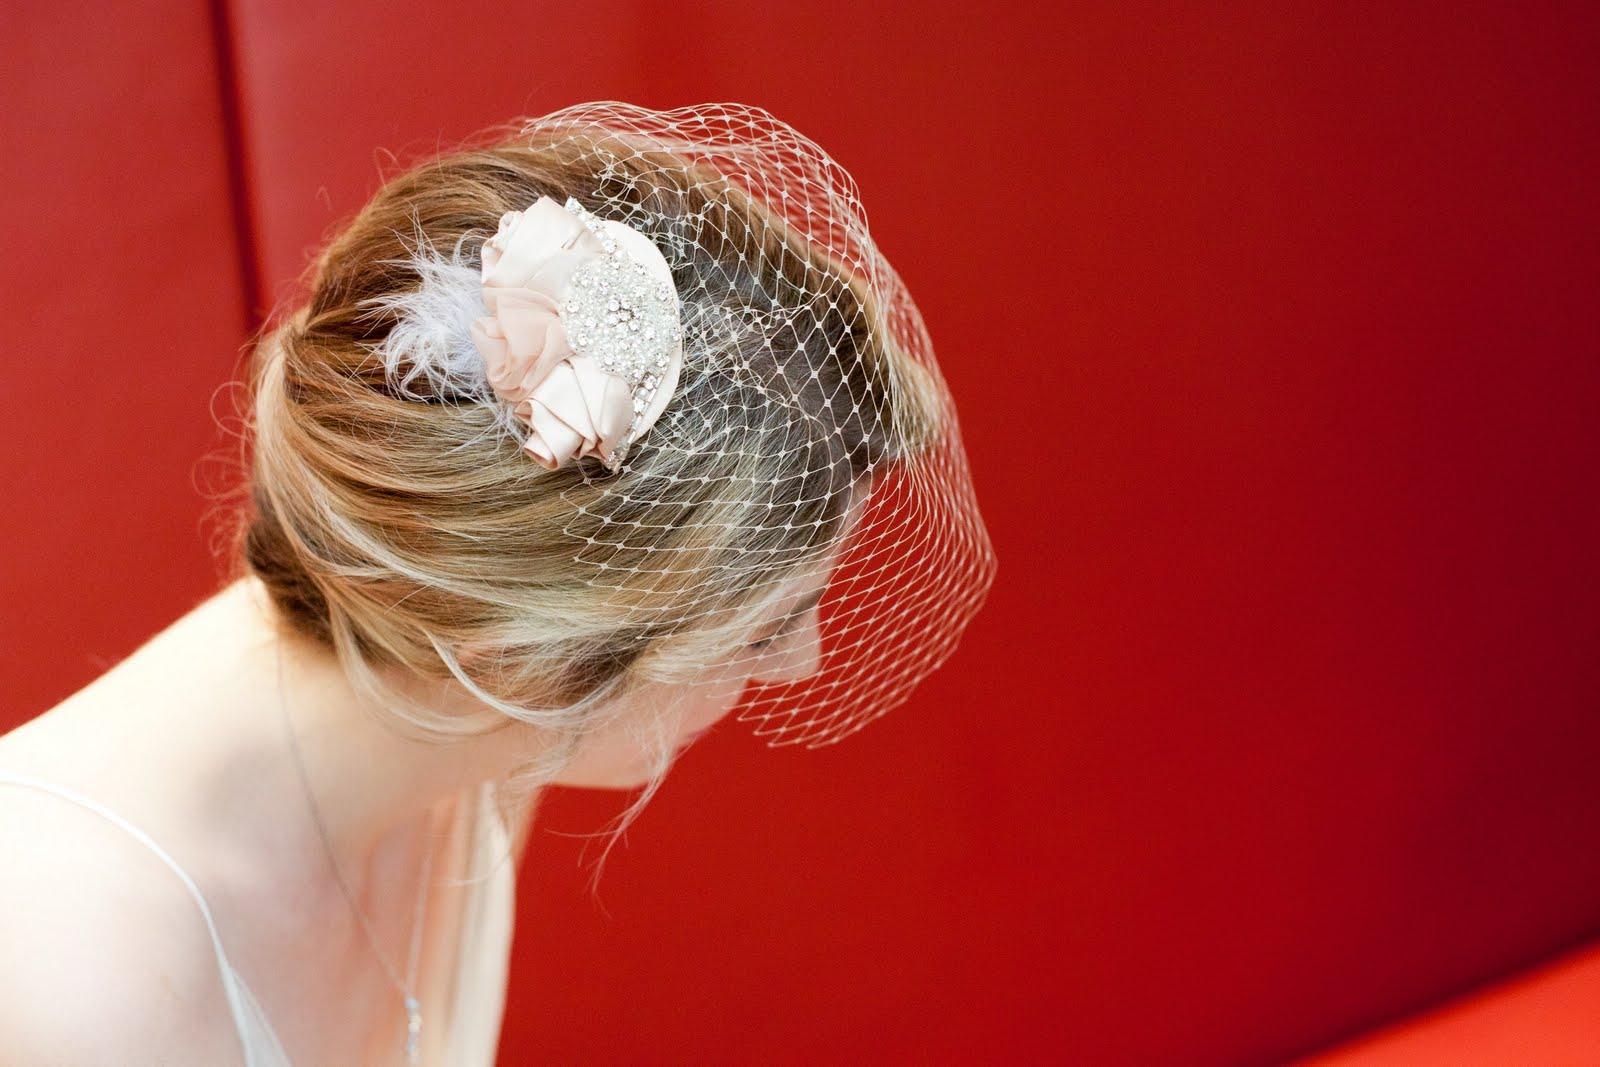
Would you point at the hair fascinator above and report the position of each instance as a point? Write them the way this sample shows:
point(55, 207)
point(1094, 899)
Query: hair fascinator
point(691, 300)
point(583, 336)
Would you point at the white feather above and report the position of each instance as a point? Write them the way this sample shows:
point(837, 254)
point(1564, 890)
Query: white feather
point(428, 351)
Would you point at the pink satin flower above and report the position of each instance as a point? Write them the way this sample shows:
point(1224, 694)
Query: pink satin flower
point(573, 407)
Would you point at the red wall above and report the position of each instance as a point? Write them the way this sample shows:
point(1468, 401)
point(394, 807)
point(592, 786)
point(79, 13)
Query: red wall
point(1281, 721)
point(123, 311)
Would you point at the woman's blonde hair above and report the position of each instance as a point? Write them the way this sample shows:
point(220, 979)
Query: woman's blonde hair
point(397, 523)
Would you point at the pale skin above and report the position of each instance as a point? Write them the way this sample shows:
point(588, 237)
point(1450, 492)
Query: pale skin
point(104, 957)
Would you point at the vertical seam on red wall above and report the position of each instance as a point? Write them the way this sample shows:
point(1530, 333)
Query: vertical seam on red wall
point(236, 147)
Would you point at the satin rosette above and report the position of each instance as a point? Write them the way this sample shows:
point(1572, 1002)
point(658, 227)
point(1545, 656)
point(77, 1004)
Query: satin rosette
point(583, 336)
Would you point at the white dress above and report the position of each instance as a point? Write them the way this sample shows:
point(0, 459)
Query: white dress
point(463, 1001)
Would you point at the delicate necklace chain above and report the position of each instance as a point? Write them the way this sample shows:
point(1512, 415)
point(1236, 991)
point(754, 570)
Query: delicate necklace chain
point(406, 987)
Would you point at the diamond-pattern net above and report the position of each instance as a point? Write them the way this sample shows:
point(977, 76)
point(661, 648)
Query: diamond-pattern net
point(810, 459)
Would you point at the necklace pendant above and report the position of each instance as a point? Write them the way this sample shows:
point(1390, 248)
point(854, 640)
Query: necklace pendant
point(413, 1031)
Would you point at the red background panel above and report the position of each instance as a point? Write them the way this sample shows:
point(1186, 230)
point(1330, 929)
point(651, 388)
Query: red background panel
point(1273, 337)
point(120, 283)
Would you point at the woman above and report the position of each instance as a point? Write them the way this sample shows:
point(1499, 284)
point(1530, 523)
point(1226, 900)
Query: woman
point(586, 433)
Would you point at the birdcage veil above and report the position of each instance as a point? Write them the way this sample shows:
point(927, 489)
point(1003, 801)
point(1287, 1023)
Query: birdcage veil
point(806, 459)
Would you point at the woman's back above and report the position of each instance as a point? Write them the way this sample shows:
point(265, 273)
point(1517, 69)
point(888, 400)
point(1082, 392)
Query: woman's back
point(160, 861)
point(111, 945)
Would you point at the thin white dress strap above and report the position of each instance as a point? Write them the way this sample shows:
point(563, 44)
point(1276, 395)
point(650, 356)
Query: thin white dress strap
point(261, 1046)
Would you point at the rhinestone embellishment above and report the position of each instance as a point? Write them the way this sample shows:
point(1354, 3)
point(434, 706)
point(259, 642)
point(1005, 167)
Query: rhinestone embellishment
point(622, 316)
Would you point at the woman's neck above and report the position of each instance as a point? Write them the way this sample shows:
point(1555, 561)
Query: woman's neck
point(203, 712)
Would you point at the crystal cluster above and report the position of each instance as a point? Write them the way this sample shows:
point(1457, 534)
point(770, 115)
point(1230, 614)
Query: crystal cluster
point(622, 316)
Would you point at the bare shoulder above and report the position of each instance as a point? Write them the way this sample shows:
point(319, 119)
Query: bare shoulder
point(104, 952)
